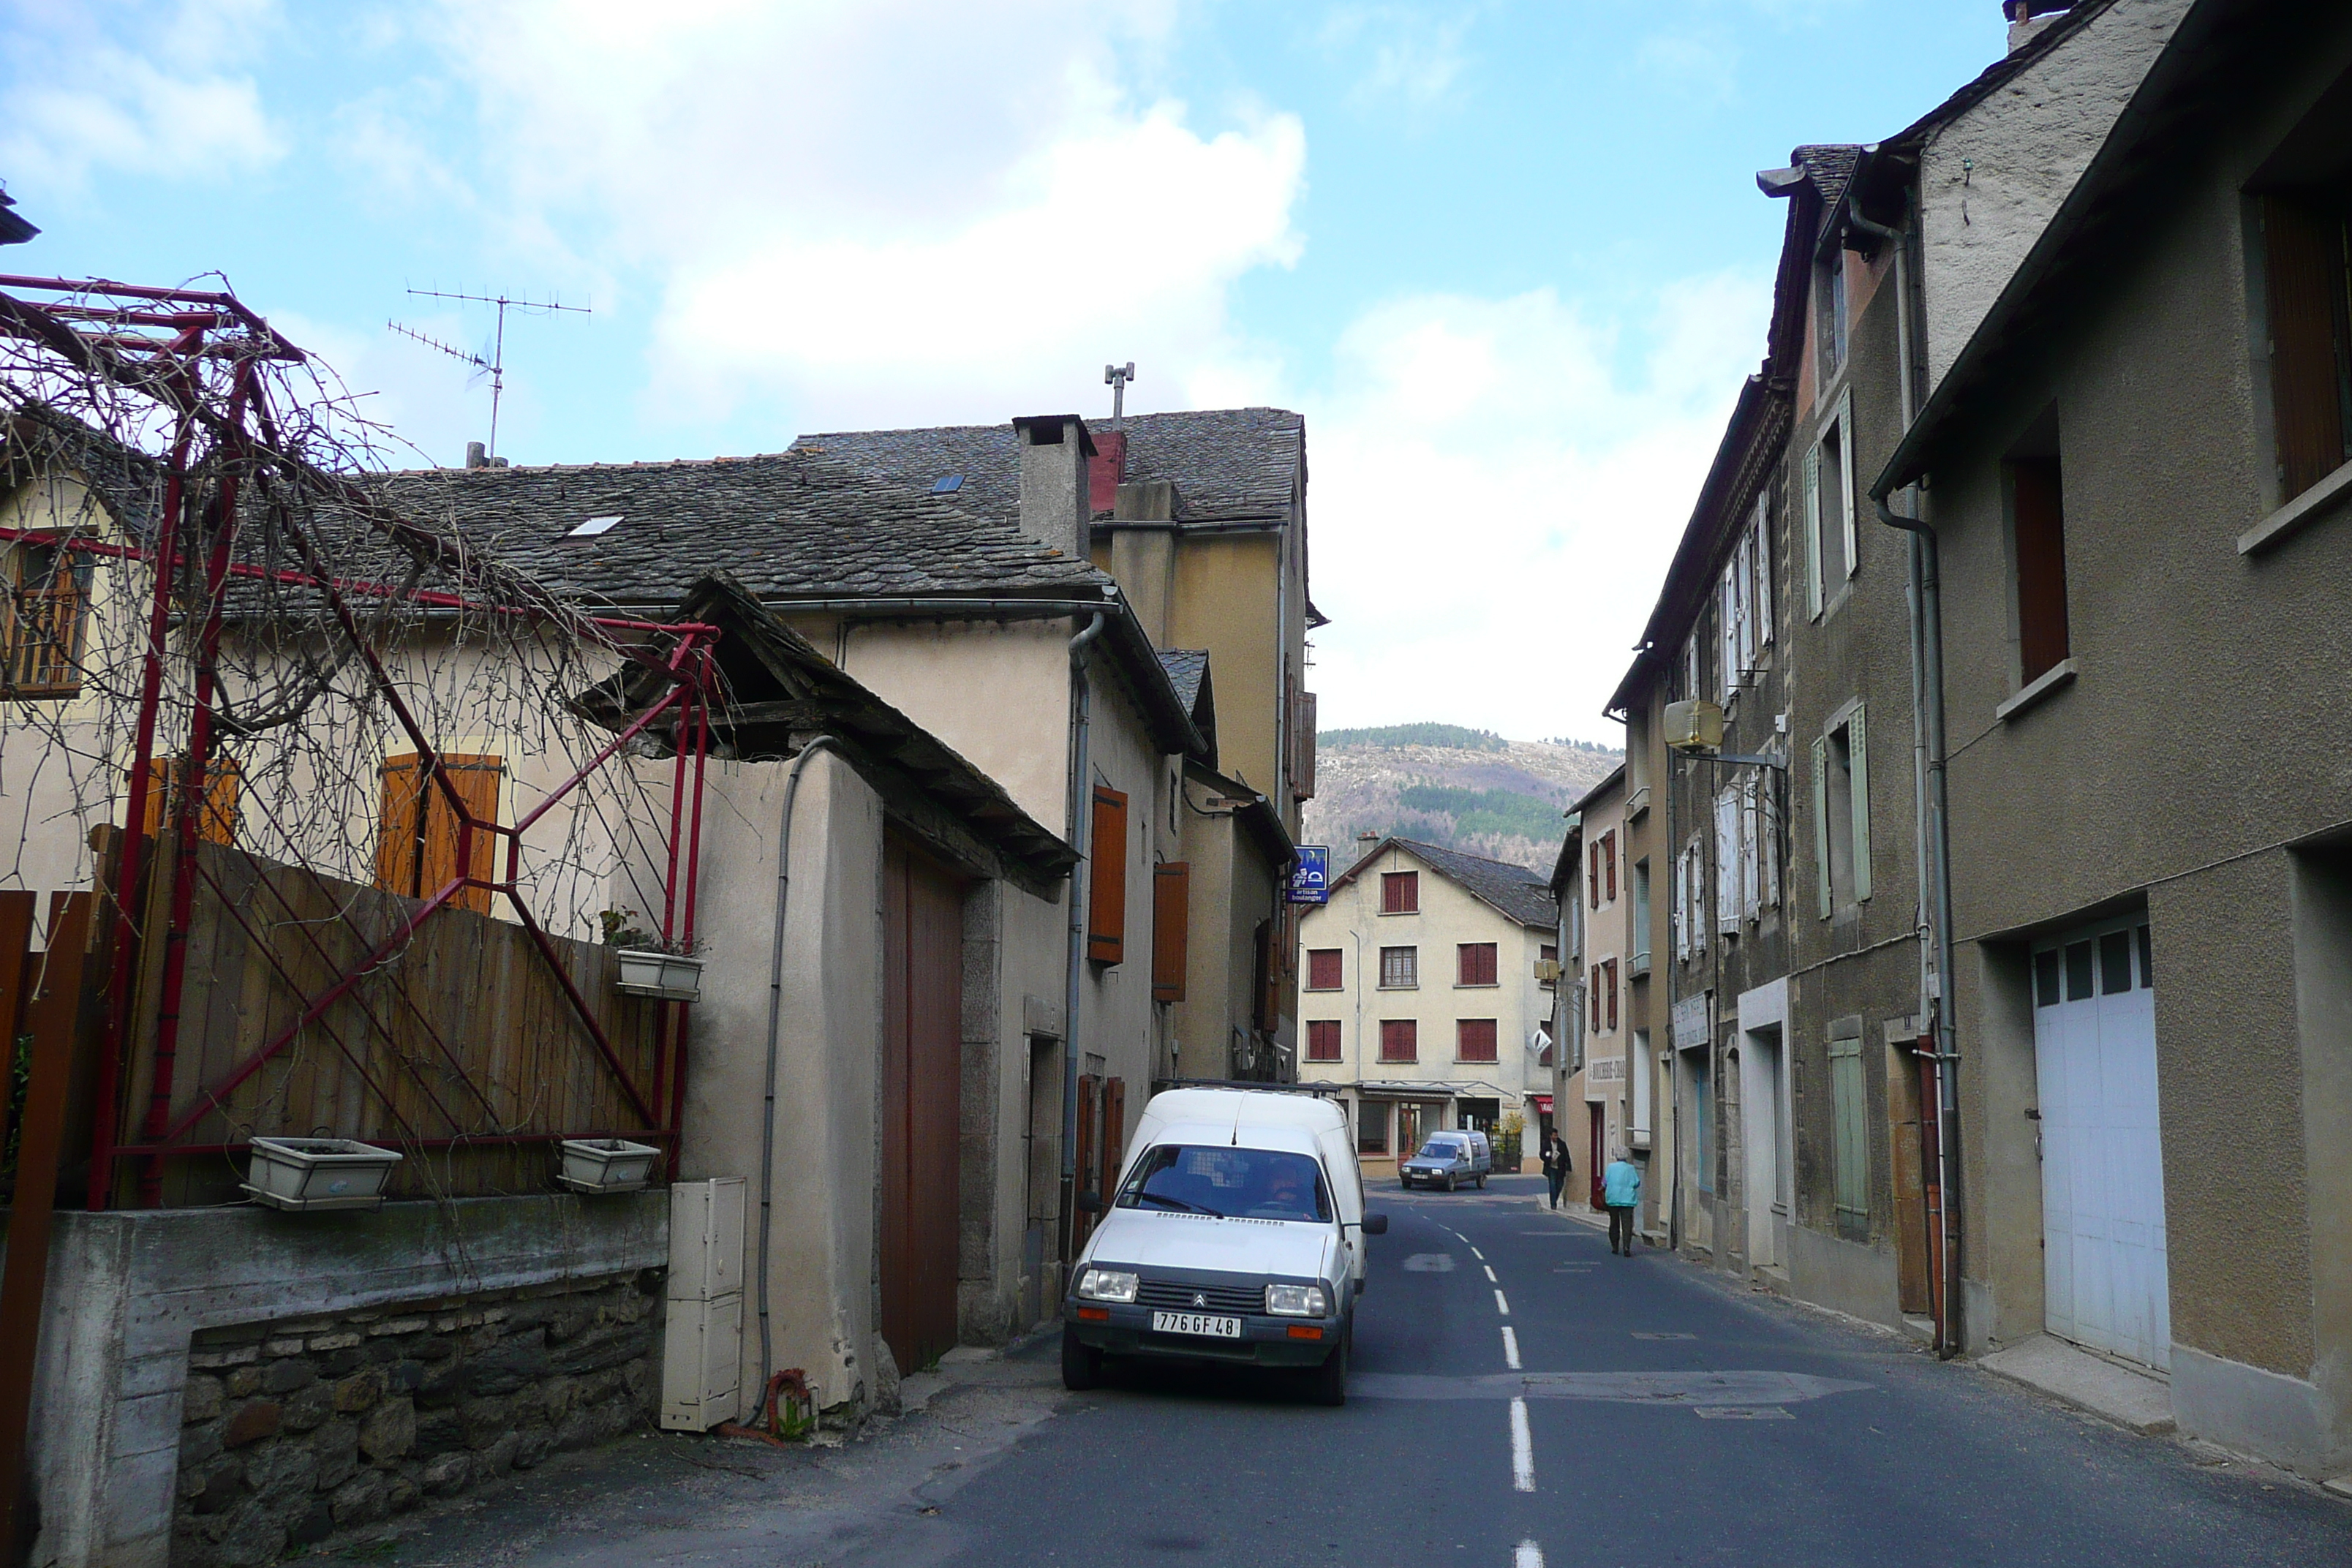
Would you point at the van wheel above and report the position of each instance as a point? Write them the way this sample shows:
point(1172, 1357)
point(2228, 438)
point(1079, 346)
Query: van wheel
point(1081, 1362)
point(1482, 1183)
point(1331, 1377)
point(1449, 1183)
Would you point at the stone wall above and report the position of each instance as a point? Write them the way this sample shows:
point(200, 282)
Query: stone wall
point(297, 1429)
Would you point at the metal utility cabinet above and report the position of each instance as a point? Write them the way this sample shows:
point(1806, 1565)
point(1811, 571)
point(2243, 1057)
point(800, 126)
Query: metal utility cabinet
point(702, 1349)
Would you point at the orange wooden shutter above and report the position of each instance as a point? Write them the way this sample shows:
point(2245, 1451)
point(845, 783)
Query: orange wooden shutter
point(397, 831)
point(216, 824)
point(1107, 879)
point(2308, 330)
point(1172, 915)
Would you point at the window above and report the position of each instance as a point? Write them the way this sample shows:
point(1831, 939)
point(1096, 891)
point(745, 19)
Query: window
point(1728, 855)
point(2038, 535)
point(1849, 1115)
point(1548, 952)
point(1106, 879)
point(1474, 963)
point(1609, 867)
point(1829, 304)
point(1689, 915)
point(1400, 892)
point(1703, 1120)
point(47, 600)
point(1641, 1119)
point(1473, 1039)
point(1592, 874)
point(1323, 970)
point(1841, 814)
point(1640, 916)
point(1609, 991)
point(1323, 1040)
point(1592, 1001)
point(1171, 922)
point(416, 850)
point(216, 823)
point(1831, 546)
point(1373, 1127)
point(2310, 303)
point(1759, 558)
point(1399, 968)
point(1400, 1040)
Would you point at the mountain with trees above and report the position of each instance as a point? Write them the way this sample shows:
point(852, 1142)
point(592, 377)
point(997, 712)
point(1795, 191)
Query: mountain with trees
point(1464, 789)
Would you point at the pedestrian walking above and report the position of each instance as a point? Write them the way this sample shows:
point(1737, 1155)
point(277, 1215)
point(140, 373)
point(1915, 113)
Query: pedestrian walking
point(1555, 1163)
point(1620, 1189)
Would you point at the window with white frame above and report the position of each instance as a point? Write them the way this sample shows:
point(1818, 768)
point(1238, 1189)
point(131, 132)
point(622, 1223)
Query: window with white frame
point(1690, 899)
point(1728, 859)
point(1842, 813)
point(1830, 547)
point(1760, 561)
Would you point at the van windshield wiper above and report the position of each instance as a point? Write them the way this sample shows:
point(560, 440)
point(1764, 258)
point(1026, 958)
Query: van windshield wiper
point(1176, 1203)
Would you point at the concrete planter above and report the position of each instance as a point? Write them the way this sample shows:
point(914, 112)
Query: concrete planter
point(307, 1173)
point(606, 1164)
point(670, 976)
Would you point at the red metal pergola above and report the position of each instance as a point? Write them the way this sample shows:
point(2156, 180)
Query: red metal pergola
point(172, 347)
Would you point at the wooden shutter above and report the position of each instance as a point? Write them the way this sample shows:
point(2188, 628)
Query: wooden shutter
point(2037, 511)
point(1594, 1000)
point(1608, 864)
point(1763, 559)
point(1592, 873)
point(1266, 969)
point(398, 829)
point(1609, 969)
point(1853, 1134)
point(1822, 821)
point(1398, 1041)
point(1473, 1039)
point(1727, 861)
point(2311, 340)
point(1324, 971)
point(1476, 963)
point(1814, 529)
point(1106, 879)
point(476, 778)
point(1859, 753)
point(1172, 920)
point(216, 823)
point(1085, 1180)
point(1302, 771)
point(1323, 1040)
point(1114, 1135)
point(1847, 510)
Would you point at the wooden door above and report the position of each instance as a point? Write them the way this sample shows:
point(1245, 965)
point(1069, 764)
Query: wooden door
point(922, 1100)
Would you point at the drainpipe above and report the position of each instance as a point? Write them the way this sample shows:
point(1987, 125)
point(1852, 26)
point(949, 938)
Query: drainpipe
point(775, 1027)
point(1081, 705)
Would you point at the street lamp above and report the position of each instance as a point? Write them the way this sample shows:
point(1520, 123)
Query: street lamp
point(1693, 729)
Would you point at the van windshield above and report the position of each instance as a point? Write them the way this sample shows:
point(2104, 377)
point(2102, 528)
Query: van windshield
point(1230, 1184)
point(1437, 1150)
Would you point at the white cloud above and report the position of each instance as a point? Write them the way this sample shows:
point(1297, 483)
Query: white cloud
point(148, 89)
point(893, 210)
point(1408, 57)
point(1497, 494)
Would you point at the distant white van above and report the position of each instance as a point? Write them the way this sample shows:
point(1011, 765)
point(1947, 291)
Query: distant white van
point(1234, 1232)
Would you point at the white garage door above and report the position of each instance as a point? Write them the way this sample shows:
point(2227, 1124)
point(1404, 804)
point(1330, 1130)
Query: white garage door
point(2102, 1155)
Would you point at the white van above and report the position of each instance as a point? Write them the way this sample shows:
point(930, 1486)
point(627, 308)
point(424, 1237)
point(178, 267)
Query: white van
point(1234, 1232)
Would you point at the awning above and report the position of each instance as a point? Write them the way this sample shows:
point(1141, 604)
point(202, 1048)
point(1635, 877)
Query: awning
point(1542, 1103)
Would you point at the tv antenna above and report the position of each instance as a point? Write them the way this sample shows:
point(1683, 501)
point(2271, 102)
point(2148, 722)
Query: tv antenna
point(495, 365)
point(1115, 377)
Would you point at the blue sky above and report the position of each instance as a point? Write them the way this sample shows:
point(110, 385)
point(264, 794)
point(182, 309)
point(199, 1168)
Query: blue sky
point(1507, 259)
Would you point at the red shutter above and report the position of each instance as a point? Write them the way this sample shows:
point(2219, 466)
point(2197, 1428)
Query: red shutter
point(1473, 1039)
point(1609, 857)
point(1592, 873)
point(1474, 963)
point(1323, 1040)
point(1302, 771)
point(1398, 1041)
point(1171, 917)
point(2038, 508)
point(1611, 967)
point(1400, 892)
point(1323, 968)
point(1596, 998)
point(1106, 879)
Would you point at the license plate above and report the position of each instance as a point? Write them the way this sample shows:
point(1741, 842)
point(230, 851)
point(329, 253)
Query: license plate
point(1196, 1323)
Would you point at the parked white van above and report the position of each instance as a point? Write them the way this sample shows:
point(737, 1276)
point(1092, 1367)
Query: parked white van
point(1234, 1232)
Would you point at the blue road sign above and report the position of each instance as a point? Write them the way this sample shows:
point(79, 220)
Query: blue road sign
point(1310, 879)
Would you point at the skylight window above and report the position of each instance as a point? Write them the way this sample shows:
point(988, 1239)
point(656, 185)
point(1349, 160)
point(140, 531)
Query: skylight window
point(595, 527)
point(947, 484)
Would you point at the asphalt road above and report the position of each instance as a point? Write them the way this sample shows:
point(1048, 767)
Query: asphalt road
point(1520, 1397)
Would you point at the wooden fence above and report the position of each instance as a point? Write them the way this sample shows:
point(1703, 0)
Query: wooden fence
point(460, 1049)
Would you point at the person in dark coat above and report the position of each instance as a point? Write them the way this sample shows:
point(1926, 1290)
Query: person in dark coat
point(1555, 1163)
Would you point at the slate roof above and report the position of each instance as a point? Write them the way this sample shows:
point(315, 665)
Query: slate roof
point(786, 524)
point(1227, 464)
point(1519, 893)
point(1831, 168)
point(1186, 667)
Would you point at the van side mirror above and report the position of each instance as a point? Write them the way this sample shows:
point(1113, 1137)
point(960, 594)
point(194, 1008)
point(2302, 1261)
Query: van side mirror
point(1376, 1225)
point(1089, 1203)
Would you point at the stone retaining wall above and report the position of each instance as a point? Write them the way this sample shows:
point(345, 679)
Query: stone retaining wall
point(295, 1430)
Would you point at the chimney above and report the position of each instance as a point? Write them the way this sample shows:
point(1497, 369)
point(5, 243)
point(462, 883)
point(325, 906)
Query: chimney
point(1146, 500)
point(1054, 510)
point(2029, 19)
point(474, 456)
point(1106, 470)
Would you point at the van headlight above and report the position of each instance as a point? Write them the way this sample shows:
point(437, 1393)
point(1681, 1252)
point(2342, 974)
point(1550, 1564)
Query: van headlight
point(1107, 1285)
point(1297, 1301)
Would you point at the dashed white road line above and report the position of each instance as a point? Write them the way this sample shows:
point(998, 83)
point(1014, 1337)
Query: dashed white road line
point(1501, 1305)
point(1523, 1450)
point(1510, 1347)
point(1490, 1274)
point(1476, 1254)
point(1529, 1555)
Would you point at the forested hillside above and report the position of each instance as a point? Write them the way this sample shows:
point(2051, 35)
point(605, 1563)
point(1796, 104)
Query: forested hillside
point(1465, 789)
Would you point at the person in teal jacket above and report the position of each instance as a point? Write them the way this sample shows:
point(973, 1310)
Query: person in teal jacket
point(1620, 1189)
